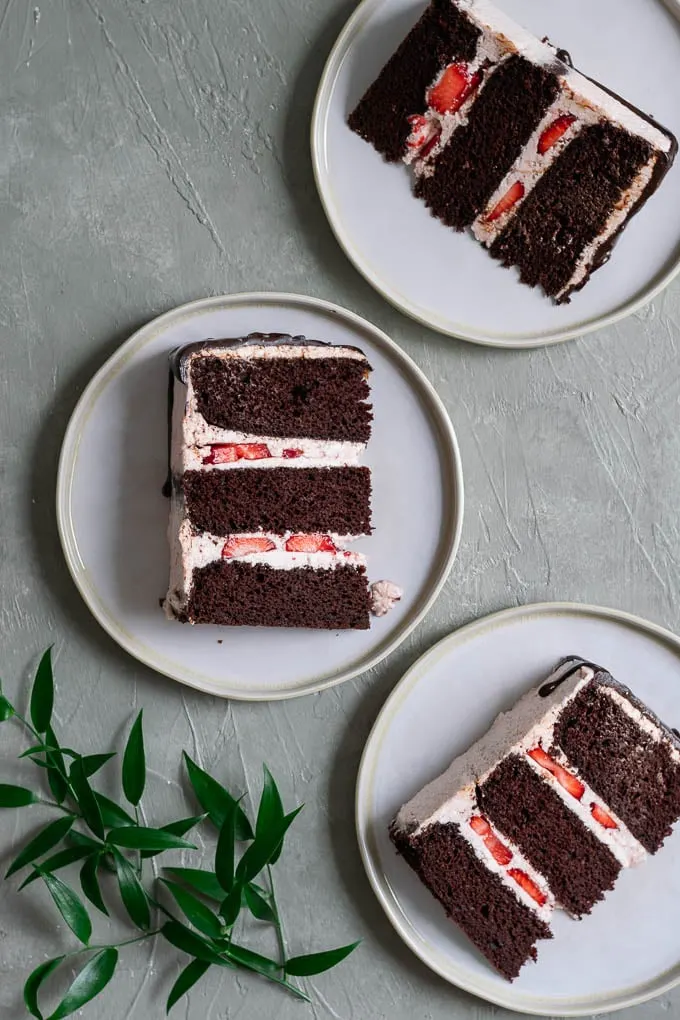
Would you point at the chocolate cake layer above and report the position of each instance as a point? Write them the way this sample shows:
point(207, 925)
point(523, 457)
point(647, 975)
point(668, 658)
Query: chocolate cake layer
point(319, 398)
point(279, 500)
point(442, 35)
point(569, 207)
point(503, 929)
point(578, 868)
point(634, 774)
point(471, 167)
point(231, 593)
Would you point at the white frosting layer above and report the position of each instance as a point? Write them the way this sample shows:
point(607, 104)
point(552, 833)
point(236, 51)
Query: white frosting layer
point(531, 723)
point(266, 352)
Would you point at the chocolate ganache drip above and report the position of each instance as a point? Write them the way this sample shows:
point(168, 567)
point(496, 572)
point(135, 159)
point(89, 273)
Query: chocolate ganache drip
point(564, 669)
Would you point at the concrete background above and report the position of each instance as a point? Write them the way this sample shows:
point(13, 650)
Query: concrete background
point(155, 151)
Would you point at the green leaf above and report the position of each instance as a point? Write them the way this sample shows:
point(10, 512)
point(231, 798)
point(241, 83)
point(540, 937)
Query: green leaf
point(204, 882)
point(178, 828)
point(317, 963)
point(224, 852)
point(93, 762)
point(181, 937)
point(42, 695)
point(196, 912)
point(257, 905)
point(231, 906)
point(6, 709)
point(260, 853)
point(135, 837)
point(93, 978)
point(112, 814)
point(89, 883)
point(132, 892)
point(16, 796)
point(192, 973)
point(79, 839)
point(253, 961)
point(134, 763)
point(56, 775)
point(36, 749)
point(69, 906)
point(70, 855)
point(270, 812)
point(40, 844)
point(33, 983)
point(87, 801)
point(215, 800)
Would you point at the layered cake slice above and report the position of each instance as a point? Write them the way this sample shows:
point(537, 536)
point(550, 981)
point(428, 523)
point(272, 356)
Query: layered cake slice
point(577, 781)
point(267, 490)
point(507, 139)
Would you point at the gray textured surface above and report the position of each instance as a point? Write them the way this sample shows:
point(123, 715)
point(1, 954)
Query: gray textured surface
point(153, 152)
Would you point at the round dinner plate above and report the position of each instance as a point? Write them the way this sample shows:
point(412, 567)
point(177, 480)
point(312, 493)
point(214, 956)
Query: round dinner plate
point(113, 517)
point(628, 949)
point(447, 280)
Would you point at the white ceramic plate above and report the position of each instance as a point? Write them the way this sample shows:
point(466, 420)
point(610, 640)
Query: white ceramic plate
point(628, 949)
point(447, 280)
point(113, 518)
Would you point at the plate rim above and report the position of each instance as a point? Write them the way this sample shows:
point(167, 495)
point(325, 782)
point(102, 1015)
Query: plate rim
point(116, 362)
point(498, 995)
point(457, 330)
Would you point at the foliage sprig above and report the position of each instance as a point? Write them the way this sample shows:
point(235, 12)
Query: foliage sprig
point(106, 839)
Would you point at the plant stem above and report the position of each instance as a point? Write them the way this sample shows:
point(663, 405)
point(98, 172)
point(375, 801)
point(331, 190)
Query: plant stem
point(112, 945)
point(19, 716)
point(279, 928)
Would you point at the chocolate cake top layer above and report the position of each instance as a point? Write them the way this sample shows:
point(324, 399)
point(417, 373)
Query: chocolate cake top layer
point(281, 499)
point(637, 775)
point(503, 929)
point(181, 356)
point(480, 153)
point(233, 593)
point(313, 398)
point(443, 35)
point(570, 205)
point(578, 867)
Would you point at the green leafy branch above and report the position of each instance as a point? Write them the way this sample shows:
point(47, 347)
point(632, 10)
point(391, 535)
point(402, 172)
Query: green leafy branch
point(105, 839)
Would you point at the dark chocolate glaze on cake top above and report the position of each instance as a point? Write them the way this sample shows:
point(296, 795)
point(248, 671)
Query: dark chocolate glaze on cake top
point(179, 358)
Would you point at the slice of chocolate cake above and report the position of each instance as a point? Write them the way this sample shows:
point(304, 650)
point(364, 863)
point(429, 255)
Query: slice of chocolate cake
point(507, 139)
point(267, 492)
point(575, 782)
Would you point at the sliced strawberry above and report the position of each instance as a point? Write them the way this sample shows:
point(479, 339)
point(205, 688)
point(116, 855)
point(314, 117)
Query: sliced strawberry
point(602, 816)
point(429, 146)
point(453, 88)
point(291, 452)
point(499, 851)
point(512, 196)
point(528, 885)
point(554, 132)
point(310, 544)
point(420, 131)
point(222, 453)
point(570, 783)
point(253, 451)
point(241, 545)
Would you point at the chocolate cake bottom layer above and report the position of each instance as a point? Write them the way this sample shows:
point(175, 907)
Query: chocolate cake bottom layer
point(569, 207)
point(500, 926)
point(316, 398)
point(251, 595)
point(579, 869)
point(224, 502)
point(480, 153)
point(634, 774)
point(443, 35)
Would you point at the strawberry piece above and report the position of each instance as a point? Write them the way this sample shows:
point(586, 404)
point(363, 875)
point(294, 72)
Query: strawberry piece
point(419, 131)
point(512, 196)
point(499, 851)
point(310, 544)
point(602, 816)
point(253, 451)
point(528, 885)
point(429, 146)
point(222, 453)
point(291, 452)
point(570, 783)
point(554, 132)
point(453, 88)
point(241, 545)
